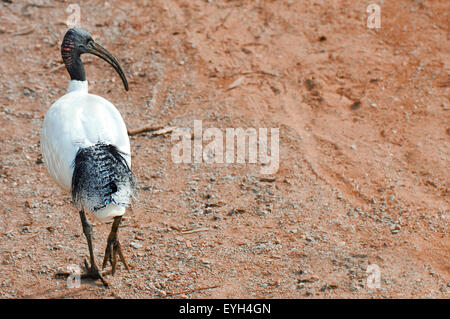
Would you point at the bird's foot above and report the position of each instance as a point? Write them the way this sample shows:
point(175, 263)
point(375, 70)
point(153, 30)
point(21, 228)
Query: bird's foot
point(113, 249)
point(92, 272)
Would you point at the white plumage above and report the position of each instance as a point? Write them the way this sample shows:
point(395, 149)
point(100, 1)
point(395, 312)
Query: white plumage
point(79, 120)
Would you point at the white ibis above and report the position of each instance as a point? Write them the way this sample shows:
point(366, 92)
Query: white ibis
point(85, 145)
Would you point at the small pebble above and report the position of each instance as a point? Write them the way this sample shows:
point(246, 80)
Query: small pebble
point(135, 245)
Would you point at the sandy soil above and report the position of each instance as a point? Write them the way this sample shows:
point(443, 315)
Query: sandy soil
point(364, 148)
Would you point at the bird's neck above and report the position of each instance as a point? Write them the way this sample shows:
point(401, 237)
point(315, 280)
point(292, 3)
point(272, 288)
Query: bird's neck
point(79, 86)
point(75, 68)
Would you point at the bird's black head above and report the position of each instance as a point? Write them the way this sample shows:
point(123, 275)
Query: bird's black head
point(76, 42)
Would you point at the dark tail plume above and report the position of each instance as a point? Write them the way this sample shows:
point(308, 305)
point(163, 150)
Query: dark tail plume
point(101, 176)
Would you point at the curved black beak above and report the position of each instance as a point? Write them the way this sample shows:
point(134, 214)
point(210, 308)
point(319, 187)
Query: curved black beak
point(101, 52)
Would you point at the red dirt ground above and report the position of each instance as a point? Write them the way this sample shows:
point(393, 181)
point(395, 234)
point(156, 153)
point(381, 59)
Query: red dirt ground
point(364, 148)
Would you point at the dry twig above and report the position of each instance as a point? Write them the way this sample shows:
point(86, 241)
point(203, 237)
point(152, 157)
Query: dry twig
point(190, 291)
point(144, 130)
point(195, 230)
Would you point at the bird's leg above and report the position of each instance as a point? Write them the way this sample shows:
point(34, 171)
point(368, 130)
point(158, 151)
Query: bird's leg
point(92, 270)
point(113, 247)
